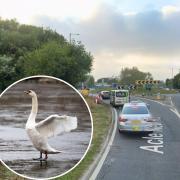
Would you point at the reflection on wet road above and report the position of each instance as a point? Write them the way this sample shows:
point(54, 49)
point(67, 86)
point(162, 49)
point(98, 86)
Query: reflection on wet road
point(17, 151)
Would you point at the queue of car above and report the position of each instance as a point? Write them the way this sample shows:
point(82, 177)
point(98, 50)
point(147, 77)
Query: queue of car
point(135, 115)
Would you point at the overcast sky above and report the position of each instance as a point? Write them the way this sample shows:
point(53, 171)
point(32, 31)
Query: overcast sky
point(118, 33)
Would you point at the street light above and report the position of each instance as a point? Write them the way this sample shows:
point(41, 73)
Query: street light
point(72, 34)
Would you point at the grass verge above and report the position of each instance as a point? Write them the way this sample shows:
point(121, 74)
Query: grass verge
point(154, 91)
point(5, 174)
point(141, 90)
point(101, 121)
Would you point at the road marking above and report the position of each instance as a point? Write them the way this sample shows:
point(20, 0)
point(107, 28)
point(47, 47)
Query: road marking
point(172, 107)
point(154, 101)
point(155, 140)
point(99, 166)
point(159, 144)
point(175, 112)
point(153, 148)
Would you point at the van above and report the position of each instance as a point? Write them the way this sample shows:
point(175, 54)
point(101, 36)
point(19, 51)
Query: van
point(119, 97)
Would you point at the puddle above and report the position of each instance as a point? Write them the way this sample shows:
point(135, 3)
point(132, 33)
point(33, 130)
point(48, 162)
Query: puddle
point(17, 151)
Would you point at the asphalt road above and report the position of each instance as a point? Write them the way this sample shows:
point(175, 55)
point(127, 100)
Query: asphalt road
point(146, 156)
point(176, 101)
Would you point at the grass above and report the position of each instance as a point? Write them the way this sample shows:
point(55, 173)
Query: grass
point(154, 91)
point(101, 121)
point(140, 90)
point(5, 174)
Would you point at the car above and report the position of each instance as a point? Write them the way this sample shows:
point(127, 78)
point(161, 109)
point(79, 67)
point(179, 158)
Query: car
point(105, 94)
point(135, 116)
point(119, 97)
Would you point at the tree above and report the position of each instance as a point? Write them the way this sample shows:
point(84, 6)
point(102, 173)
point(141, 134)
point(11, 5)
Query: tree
point(108, 80)
point(169, 83)
point(28, 50)
point(176, 81)
point(68, 62)
point(7, 71)
point(130, 75)
point(89, 82)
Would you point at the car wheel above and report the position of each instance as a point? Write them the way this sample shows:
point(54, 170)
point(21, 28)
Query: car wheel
point(120, 130)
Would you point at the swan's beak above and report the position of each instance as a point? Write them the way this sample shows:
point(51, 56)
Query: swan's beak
point(26, 92)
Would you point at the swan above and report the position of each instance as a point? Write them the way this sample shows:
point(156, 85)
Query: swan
point(51, 126)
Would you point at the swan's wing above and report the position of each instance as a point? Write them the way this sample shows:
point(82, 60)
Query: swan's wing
point(55, 124)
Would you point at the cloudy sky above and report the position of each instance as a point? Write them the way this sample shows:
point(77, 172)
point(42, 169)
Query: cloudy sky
point(118, 33)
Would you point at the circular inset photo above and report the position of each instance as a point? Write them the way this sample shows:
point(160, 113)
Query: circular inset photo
point(45, 127)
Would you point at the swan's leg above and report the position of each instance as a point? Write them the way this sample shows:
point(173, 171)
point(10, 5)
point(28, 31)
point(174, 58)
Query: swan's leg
point(46, 156)
point(40, 158)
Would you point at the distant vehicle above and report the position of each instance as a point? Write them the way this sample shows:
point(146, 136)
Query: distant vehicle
point(105, 94)
point(119, 97)
point(98, 99)
point(135, 116)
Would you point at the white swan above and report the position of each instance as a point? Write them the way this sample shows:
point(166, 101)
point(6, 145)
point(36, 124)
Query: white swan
point(52, 125)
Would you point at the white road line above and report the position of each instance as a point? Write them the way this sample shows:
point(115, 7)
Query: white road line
point(175, 112)
point(154, 101)
point(172, 104)
point(98, 168)
point(172, 107)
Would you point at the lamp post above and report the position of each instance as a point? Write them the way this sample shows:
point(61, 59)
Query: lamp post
point(72, 34)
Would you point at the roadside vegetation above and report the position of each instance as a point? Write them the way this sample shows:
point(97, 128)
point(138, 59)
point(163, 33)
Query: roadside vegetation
point(27, 50)
point(101, 122)
point(154, 91)
point(141, 91)
point(5, 174)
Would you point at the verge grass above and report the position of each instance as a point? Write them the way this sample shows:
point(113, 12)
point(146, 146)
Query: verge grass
point(5, 174)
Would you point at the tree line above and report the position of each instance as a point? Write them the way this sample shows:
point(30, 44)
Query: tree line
point(174, 82)
point(127, 76)
point(27, 50)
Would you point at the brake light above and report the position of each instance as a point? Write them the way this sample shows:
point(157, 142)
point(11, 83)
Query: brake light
point(122, 119)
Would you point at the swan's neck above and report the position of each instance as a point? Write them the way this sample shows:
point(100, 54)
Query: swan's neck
point(31, 120)
point(34, 105)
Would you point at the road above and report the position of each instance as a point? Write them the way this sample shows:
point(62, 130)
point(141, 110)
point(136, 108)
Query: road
point(146, 156)
point(176, 101)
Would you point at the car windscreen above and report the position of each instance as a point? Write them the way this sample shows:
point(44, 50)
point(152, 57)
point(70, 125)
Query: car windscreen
point(135, 110)
point(121, 94)
point(106, 93)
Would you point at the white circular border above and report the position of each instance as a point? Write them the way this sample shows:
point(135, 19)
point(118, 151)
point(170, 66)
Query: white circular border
point(44, 76)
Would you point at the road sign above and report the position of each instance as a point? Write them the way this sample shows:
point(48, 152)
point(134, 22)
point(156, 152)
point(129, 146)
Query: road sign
point(141, 82)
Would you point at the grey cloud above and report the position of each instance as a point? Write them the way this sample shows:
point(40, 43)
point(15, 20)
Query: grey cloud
point(148, 32)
